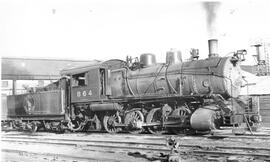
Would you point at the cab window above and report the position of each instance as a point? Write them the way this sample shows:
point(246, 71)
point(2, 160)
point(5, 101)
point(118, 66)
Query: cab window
point(79, 80)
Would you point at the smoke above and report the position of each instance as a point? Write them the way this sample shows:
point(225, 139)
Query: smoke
point(211, 9)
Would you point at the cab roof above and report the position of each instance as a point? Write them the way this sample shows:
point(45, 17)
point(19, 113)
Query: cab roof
point(110, 64)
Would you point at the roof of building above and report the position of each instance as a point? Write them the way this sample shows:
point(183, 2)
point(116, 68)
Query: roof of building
point(255, 85)
point(36, 68)
point(249, 68)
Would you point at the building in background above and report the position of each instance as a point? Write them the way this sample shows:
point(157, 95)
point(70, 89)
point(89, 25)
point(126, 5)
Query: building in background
point(18, 74)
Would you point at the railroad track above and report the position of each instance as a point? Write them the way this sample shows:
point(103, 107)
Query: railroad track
point(83, 145)
point(217, 136)
point(78, 141)
point(54, 155)
point(91, 143)
point(158, 146)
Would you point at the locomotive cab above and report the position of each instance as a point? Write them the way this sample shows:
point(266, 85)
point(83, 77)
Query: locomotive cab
point(88, 83)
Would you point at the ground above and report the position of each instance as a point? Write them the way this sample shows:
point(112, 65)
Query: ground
point(91, 146)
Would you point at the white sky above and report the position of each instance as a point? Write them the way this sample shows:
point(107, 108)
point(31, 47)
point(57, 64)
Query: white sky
point(104, 29)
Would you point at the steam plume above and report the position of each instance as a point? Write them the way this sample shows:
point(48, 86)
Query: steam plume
point(211, 9)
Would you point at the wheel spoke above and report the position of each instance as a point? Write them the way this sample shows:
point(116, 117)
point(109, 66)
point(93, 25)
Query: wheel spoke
point(181, 113)
point(136, 117)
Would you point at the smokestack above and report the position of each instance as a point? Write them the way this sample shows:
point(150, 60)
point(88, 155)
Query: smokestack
point(213, 48)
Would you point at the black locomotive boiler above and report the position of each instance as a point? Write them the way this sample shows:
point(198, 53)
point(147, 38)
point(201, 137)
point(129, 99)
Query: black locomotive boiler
point(137, 95)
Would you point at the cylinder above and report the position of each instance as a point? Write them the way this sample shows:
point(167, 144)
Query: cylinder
point(173, 57)
point(203, 119)
point(147, 60)
point(213, 48)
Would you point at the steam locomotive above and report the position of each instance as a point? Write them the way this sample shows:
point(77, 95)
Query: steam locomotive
point(137, 95)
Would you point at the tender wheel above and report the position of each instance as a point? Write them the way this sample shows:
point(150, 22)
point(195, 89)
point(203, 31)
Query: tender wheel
point(155, 115)
point(109, 123)
point(16, 125)
point(33, 126)
point(134, 120)
point(183, 114)
point(6, 125)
